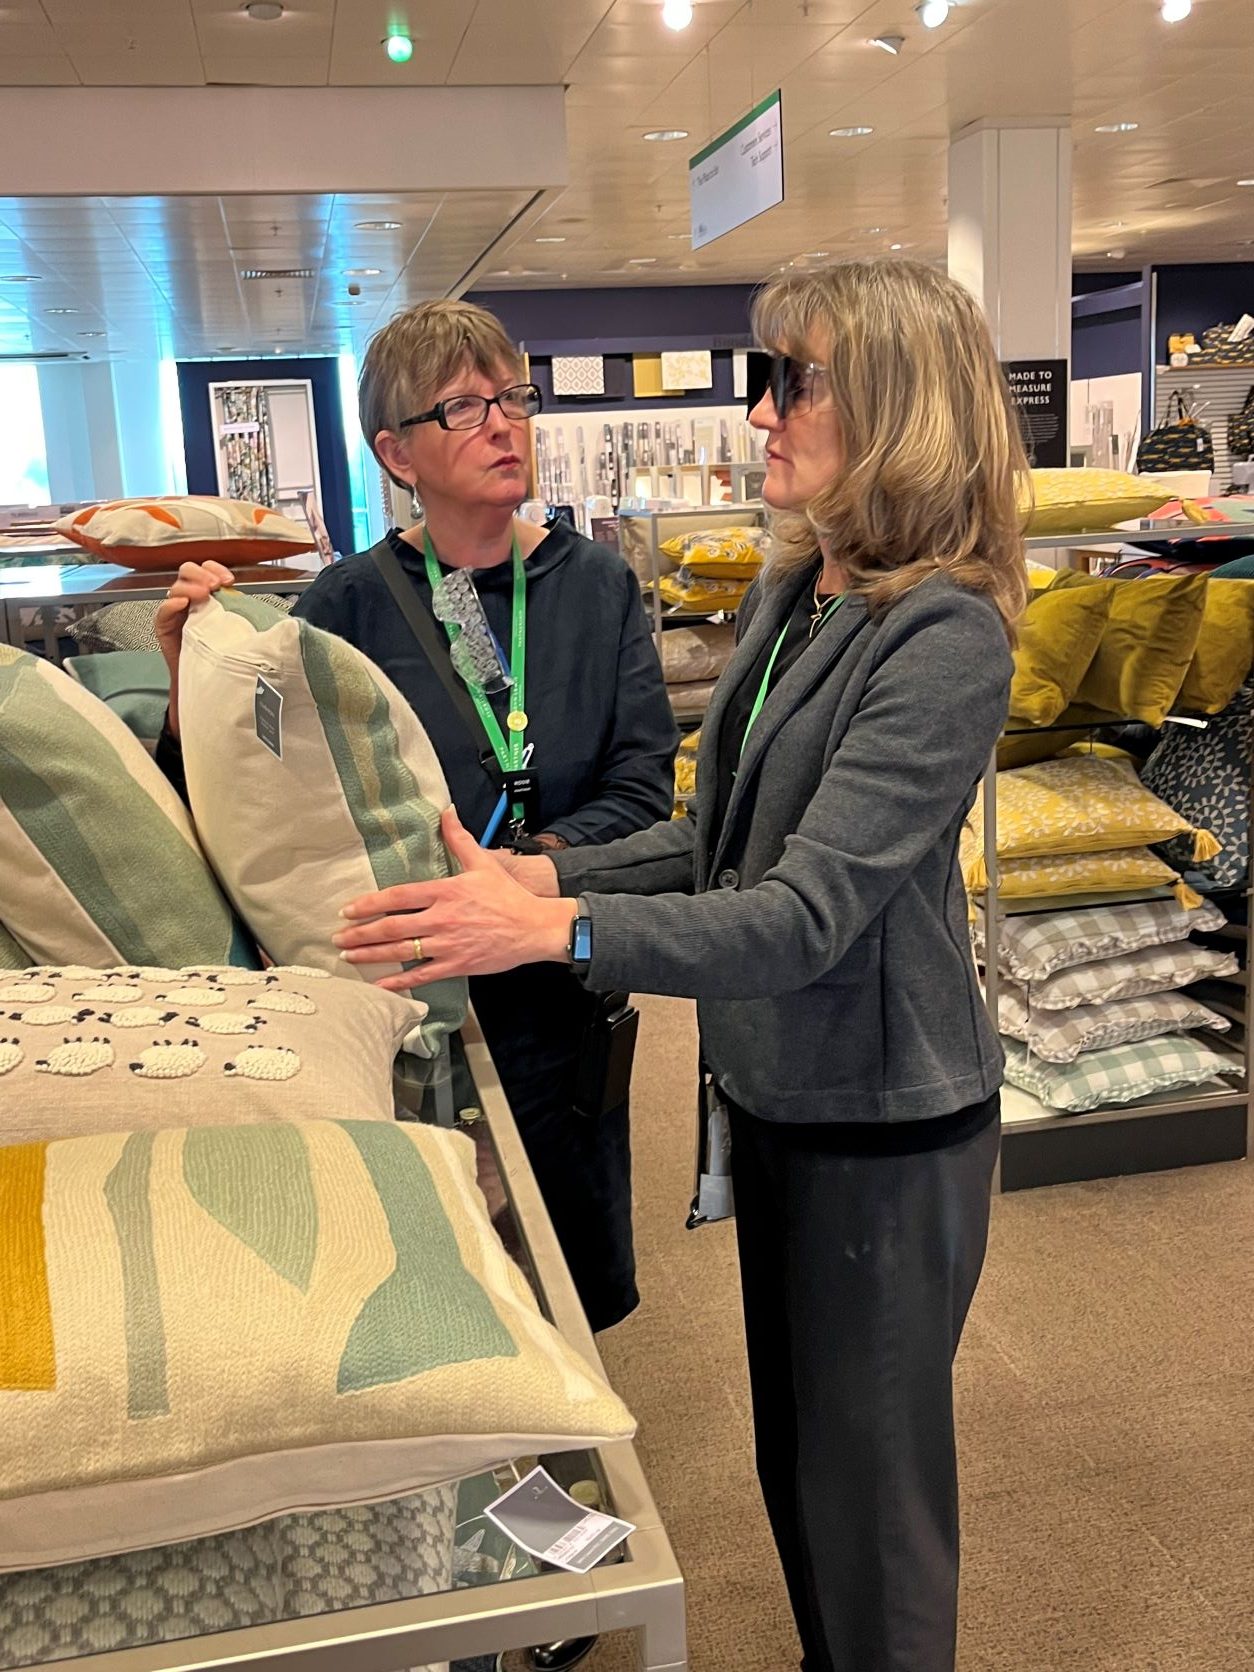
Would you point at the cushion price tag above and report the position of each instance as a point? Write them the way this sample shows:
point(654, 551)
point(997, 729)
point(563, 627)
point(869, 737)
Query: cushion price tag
point(268, 715)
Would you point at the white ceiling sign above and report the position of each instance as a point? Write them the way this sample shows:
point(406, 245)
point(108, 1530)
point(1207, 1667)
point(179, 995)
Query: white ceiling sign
point(740, 175)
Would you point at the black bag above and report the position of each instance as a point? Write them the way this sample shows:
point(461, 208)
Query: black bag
point(1241, 430)
point(1179, 443)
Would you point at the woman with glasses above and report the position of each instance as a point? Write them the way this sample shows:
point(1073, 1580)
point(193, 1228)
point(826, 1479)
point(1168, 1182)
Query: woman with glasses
point(445, 406)
point(815, 909)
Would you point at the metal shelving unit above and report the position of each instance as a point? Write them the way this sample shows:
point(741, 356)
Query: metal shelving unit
point(1042, 1146)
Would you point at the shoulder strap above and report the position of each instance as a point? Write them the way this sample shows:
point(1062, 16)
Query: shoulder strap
point(435, 649)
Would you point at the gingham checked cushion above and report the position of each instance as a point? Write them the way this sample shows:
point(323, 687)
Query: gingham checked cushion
point(1031, 948)
point(1120, 1075)
point(1154, 969)
point(1061, 1035)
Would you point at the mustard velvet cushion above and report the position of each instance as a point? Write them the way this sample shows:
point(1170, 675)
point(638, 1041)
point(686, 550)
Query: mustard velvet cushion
point(117, 1050)
point(1059, 636)
point(1225, 648)
point(1087, 501)
point(1150, 639)
point(203, 1328)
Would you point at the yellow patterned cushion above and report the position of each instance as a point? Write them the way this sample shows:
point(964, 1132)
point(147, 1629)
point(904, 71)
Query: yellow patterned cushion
point(732, 554)
point(1079, 804)
point(1124, 871)
point(1086, 501)
point(206, 1327)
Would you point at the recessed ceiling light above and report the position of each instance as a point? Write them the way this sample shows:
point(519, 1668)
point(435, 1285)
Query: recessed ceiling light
point(226, 348)
point(62, 310)
point(1175, 11)
point(686, 236)
point(896, 246)
point(849, 133)
point(676, 14)
point(815, 255)
point(932, 13)
point(1116, 127)
point(888, 43)
point(662, 135)
point(378, 226)
point(263, 11)
point(362, 272)
point(1245, 182)
point(19, 278)
point(550, 238)
point(91, 333)
point(1115, 255)
point(872, 231)
point(642, 261)
point(399, 48)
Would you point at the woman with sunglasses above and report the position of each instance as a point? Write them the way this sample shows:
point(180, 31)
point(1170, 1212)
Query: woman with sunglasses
point(815, 909)
point(445, 409)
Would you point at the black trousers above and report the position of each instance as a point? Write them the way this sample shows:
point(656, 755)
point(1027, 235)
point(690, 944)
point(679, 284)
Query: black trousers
point(858, 1271)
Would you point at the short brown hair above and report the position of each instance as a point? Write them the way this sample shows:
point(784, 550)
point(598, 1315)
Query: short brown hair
point(418, 352)
point(933, 450)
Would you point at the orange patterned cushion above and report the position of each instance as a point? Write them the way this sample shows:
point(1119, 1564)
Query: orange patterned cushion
point(161, 533)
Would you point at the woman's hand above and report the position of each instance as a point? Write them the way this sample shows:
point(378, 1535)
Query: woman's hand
point(196, 582)
point(535, 871)
point(477, 923)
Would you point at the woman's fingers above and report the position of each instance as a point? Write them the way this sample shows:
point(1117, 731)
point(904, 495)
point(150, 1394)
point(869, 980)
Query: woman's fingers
point(402, 951)
point(403, 897)
point(422, 975)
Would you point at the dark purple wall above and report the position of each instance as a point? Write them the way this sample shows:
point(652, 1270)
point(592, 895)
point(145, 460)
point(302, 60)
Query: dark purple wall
point(620, 320)
point(1106, 346)
point(1193, 298)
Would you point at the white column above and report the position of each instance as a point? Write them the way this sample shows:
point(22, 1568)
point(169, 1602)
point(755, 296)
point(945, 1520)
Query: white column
point(1010, 230)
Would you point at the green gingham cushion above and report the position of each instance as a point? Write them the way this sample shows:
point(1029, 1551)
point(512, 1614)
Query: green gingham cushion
point(1031, 948)
point(1120, 1075)
point(1061, 1035)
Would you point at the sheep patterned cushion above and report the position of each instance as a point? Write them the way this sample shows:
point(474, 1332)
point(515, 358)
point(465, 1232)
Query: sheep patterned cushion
point(85, 1050)
point(205, 1327)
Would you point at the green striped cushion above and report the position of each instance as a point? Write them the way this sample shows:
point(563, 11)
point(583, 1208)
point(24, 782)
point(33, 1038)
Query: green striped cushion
point(353, 804)
point(98, 861)
point(11, 955)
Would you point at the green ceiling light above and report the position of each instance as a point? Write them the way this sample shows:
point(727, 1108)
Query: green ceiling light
point(399, 48)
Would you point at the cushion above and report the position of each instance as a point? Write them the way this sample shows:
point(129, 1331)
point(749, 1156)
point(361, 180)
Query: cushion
point(1205, 775)
point(131, 625)
point(686, 591)
point(161, 533)
point(719, 553)
point(1079, 804)
point(696, 653)
point(1025, 748)
point(1125, 871)
point(1121, 1074)
point(691, 701)
point(135, 684)
point(1060, 1036)
point(124, 1049)
point(1225, 648)
point(202, 1328)
point(349, 804)
point(285, 1569)
point(1058, 639)
point(1146, 651)
point(98, 862)
point(1031, 948)
point(1151, 969)
point(12, 956)
point(1087, 501)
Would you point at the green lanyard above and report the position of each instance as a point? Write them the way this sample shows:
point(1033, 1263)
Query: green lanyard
point(509, 755)
point(765, 688)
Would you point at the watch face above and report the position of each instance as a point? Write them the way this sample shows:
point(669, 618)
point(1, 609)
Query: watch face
point(581, 940)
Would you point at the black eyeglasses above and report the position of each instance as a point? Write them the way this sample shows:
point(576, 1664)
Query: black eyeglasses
point(468, 412)
point(791, 383)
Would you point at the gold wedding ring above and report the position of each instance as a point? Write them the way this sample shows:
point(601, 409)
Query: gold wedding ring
point(417, 945)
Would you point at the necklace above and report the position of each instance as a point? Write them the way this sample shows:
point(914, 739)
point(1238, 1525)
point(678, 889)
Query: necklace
point(822, 607)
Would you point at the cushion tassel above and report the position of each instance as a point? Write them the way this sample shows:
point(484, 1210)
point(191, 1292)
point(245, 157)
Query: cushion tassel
point(1187, 896)
point(1205, 846)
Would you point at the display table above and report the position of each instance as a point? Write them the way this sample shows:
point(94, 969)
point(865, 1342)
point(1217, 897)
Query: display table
point(639, 1589)
point(52, 587)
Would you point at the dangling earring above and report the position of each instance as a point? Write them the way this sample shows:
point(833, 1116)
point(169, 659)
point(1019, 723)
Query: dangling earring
point(415, 504)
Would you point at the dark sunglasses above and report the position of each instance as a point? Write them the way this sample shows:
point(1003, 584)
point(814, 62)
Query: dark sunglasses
point(469, 412)
point(791, 383)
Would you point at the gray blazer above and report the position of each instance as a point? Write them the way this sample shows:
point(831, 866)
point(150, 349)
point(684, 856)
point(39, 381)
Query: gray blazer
point(823, 929)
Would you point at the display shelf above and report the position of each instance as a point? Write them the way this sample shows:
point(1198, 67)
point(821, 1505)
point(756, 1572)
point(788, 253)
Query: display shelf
point(1022, 1111)
point(1031, 905)
point(1143, 530)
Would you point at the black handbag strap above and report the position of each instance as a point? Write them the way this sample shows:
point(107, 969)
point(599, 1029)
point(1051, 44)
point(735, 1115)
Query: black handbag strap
point(1176, 399)
point(435, 649)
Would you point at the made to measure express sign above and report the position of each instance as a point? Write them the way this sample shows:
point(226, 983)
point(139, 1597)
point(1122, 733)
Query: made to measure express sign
point(739, 175)
point(1038, 389)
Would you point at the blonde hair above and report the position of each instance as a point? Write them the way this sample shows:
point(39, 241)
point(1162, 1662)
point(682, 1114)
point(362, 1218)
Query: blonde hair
point(417, 353)
point(933, 453)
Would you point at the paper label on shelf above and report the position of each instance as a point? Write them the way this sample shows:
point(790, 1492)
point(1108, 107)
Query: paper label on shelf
point(548, 1523)
point(740, 175)
point(268, 717)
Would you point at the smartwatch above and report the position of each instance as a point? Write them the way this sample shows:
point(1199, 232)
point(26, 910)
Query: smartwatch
point(580, 944)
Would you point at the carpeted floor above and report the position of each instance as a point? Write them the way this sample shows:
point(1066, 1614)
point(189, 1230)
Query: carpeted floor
point(1105, 1400)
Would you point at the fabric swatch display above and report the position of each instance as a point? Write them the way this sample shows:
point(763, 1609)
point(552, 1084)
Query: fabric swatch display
point(646, 378)
point(1205, 775)
point(688, 368)
point(1153, 969)
point(1122, 1074)
point(98, 861)
point(1035, 947)
point(578, 374)
point(223, 1324)
point(116, 1050)
point(1062, 1036)
point(312, 783)
point(189, 528)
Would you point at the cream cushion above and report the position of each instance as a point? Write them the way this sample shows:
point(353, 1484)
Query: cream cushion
point(351, 804)
point(125, 1049)
point(203, 1328)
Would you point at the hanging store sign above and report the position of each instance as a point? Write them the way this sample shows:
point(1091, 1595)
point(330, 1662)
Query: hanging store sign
point(1038, 389)
point(738, 176)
